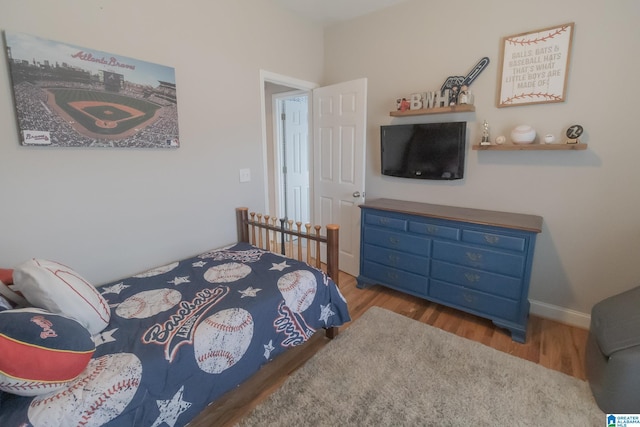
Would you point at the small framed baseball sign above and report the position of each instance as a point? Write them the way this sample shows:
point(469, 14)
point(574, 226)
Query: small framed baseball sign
point(535, 66)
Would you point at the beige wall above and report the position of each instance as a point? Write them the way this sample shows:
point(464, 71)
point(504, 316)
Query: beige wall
point(590, 243)
point(109, 212)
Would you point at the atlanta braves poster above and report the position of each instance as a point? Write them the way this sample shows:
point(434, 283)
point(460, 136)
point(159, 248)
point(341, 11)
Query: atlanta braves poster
point(71, 96)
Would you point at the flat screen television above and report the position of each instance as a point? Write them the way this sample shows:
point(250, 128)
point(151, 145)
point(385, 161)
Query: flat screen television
point(424, 151)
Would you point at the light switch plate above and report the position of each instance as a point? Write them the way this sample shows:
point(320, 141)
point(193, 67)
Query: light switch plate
point(245, 175)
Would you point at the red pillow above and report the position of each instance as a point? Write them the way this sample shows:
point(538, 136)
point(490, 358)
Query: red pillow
point(6, 276)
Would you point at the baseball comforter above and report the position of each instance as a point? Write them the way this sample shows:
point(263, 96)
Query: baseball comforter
point(182, 335)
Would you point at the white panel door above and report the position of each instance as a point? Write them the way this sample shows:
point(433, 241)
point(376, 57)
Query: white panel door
point(296, 159)
point(339, 142)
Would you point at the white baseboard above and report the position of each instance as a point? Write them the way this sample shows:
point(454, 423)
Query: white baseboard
point(560, 314)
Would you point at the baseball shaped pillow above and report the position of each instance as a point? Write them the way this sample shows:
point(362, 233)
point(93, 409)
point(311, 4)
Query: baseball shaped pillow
point(59, 289)
point(41, 351)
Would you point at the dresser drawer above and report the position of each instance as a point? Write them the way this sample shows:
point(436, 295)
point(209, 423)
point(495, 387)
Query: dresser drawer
point(385, 221)
point(505, 286)
point(473, 260)
point(483, 259)
point(477, 301)
point(399, 241)
point(395, 278)
point(434, 230)
point(395, 259)
point(495, 240)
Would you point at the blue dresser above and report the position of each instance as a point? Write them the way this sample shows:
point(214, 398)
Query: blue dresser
point(474, 260)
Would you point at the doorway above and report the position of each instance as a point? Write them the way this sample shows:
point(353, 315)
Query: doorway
point(292, 157)
point(274, 88)
point(336, 155)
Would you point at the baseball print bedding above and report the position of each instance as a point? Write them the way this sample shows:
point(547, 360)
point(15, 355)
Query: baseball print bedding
point(182, 335)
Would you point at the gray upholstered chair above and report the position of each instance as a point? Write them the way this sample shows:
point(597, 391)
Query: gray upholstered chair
point(613, 353)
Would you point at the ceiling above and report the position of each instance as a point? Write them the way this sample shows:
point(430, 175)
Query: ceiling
point(327, 12)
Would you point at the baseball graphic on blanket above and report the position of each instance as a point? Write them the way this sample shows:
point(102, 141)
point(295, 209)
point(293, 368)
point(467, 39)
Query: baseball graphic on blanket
point(222, 339)
point(96, 397)
point(225, 273)
point(298, 289)
point(158, 270)
point(148, 303)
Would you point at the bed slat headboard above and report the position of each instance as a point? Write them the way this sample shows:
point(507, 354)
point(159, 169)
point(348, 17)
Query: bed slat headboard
point(279, 238)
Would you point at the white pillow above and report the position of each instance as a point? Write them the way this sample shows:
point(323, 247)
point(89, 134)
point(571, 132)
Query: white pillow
point(5, 304)
point(59, 289)
point(6, 280)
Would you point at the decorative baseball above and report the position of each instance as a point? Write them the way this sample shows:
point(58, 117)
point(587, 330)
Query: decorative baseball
point(158, 270)
point(17, 386)
point(298, 289)
point(148, 303)
point(523, 134)
point(96, 397)
point(222, 339)
point(226, 273)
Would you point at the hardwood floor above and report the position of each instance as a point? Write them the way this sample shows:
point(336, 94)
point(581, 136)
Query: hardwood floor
point(549, 343)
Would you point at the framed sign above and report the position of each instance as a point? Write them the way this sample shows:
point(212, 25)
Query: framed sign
point(71, 96)
point(535, 66)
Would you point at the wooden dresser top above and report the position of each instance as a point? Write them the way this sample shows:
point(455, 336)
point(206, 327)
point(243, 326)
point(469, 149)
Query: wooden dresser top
point(474, 216)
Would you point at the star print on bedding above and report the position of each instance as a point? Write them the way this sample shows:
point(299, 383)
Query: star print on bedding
point(183, 334)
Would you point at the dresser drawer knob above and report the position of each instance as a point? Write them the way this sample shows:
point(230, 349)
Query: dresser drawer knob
point(432, 229)
point(472, 277)
point(393, 258)
point(491, 239)
point(474, 256)
point(392, 276)
point(394, 240)
point(383, 221)
point(468, 298)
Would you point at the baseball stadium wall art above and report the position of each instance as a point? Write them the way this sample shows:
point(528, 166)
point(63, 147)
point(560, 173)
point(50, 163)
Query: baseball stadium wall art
point(71, 96)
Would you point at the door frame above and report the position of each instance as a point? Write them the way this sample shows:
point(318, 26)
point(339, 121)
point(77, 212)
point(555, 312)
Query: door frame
point(294, 84)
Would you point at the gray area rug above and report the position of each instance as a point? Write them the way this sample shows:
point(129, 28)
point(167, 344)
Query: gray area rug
point(388, 370)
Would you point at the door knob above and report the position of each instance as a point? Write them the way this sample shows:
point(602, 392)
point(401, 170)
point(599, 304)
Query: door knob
point(356, 194)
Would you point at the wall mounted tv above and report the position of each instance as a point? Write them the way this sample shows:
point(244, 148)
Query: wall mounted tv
point(424, 151)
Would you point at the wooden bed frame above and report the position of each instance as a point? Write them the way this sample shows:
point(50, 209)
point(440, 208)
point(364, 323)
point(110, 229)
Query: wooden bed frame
point(265, 233)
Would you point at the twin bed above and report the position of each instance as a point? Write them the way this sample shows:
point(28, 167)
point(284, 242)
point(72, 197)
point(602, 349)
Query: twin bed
point(182, 335)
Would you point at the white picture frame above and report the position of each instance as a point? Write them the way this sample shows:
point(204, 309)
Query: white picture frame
point(535, 66)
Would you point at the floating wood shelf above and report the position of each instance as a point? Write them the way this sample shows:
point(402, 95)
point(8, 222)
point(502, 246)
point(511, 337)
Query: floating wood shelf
point(462, 108)
point(530, 147)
